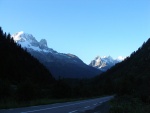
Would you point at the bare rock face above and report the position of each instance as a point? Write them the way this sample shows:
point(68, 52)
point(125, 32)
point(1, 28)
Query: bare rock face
point(43, 44)
point(59, 64)
point(105, 62)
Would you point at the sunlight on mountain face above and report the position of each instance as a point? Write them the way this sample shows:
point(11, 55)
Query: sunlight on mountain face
point(105, 62)
point(60, 64)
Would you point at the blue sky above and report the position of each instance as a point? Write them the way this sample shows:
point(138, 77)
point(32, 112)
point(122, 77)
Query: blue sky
point(86, 28)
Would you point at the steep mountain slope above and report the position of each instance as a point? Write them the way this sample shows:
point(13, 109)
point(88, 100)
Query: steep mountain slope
point(59, 64)
point(22, 77)
point(129, 77)
point(105, 63)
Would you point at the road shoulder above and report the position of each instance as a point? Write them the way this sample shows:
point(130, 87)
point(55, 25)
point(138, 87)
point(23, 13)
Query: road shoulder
point(102, 108)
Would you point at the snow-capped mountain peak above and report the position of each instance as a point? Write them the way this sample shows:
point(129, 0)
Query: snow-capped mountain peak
point(105, 62)
point(59, 64)
point(28, 41)
point(120, 58)
point(17, 37)
point(21, 37)
point(32, 45)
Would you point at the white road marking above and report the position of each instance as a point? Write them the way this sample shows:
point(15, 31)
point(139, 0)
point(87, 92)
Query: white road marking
point(34, 106)
point(95, 104)
point(73, 111)
point(56, 107)
point(86, 107)
point(59, 106)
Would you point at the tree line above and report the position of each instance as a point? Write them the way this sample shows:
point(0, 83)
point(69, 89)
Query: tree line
point(23, 78)
point(130, 77)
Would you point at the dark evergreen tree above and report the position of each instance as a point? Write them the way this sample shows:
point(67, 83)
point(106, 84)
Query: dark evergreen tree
point(130, 77)
point(22, 77)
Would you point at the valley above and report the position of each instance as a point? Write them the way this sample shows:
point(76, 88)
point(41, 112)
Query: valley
point(59, 64)
point(31, 76)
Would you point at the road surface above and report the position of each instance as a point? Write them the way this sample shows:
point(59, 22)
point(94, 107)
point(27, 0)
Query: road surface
point(68, 107)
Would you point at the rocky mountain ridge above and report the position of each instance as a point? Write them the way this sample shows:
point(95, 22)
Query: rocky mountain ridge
point(59, 64)
point(106, 62)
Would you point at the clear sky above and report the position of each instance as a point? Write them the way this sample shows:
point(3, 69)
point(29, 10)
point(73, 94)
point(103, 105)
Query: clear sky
point(86, 28)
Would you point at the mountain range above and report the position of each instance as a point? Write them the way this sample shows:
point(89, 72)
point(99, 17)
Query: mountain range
point(23, 78)
point(59, 64)
point(106, 62)
point(130, 77)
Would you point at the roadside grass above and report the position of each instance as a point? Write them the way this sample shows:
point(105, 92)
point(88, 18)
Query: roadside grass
point(127, 104)
point(7, 104)
point(11, 103)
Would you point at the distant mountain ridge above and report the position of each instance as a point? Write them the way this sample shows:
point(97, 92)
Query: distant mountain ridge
point(130, 77)
point(106, 62)
point(59, 64)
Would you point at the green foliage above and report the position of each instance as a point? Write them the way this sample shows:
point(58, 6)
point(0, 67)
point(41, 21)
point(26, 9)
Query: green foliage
point(22, 77)
point(5, 89)
point(127, 104)
point(130, 77)
point(61, 90)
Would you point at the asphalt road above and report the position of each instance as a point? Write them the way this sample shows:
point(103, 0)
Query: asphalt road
point(68, 107)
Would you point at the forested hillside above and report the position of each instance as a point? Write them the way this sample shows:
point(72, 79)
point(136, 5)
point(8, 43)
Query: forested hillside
point(22, 77)
point(130, 77)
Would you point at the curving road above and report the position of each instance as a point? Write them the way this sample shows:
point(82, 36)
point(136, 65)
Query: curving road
point(68, 107)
